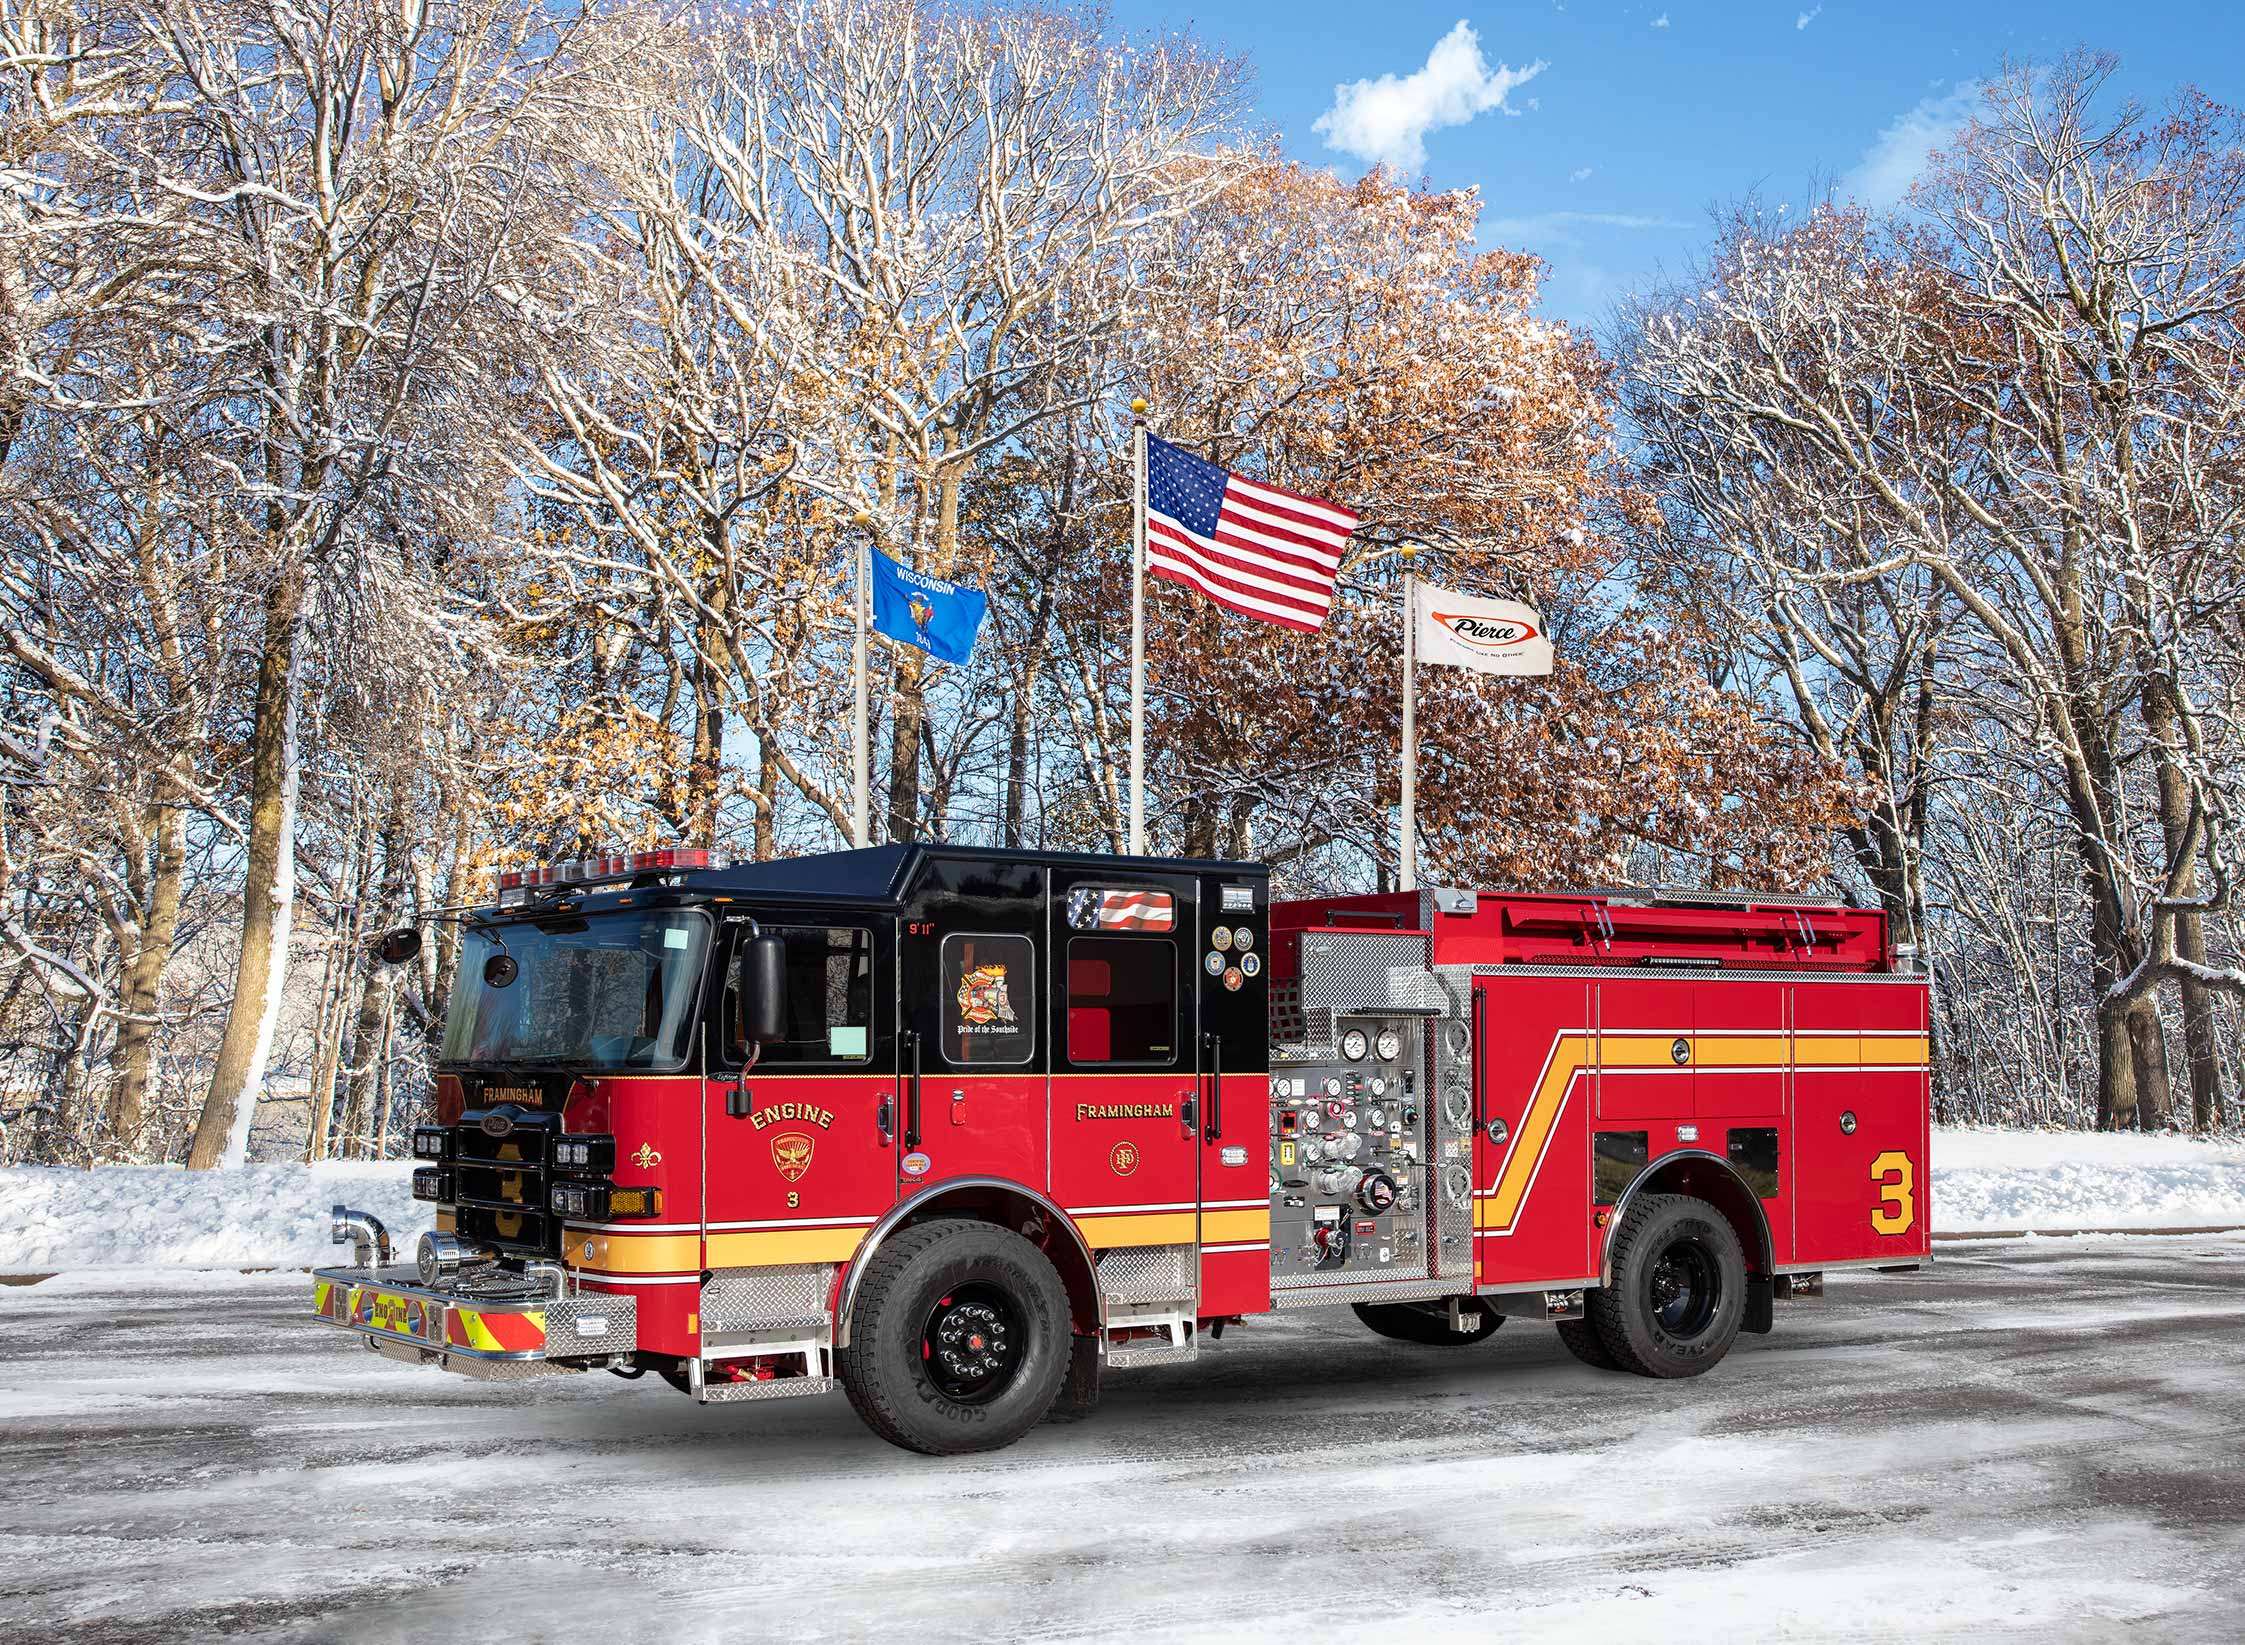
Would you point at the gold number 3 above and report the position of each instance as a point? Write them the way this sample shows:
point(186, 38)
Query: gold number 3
point(1897, 1209)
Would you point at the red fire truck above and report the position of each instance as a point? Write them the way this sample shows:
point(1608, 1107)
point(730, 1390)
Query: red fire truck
point(960, 1129)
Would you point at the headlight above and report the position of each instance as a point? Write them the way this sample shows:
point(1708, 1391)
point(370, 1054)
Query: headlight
point(600, 1201)
point(592, 1156)
point(433, 1183)
point(429, 1141)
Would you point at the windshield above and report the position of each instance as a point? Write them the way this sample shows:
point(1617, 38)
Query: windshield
point(597, 992)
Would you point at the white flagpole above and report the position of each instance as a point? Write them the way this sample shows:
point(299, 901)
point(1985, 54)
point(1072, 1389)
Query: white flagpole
point(861, 795)
point(1409, 853)
point(1138, 628)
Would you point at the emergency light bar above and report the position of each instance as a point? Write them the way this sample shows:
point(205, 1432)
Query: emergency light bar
point(516, 884)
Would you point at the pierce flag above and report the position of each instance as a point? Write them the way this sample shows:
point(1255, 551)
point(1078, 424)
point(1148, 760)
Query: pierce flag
point(1493, 636)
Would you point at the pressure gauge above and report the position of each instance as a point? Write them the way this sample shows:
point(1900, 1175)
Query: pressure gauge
point(1354, 1045)
point(1377, 1085)
point(1332, 1085)
point(1390, 1045)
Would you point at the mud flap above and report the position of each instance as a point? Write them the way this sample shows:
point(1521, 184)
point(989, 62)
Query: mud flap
point(1079, 1392)
point(1760, 1305)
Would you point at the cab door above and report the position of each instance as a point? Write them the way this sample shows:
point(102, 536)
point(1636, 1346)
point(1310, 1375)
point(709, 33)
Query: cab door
point(797, 1164)
point(973, 961)
point(1126, 1058)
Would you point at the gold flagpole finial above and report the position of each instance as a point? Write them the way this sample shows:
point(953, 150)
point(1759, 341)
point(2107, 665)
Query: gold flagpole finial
point(1138, 408)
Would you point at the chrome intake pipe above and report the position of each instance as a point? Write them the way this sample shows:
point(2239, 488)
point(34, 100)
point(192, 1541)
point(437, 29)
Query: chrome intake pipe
point(364, 1233)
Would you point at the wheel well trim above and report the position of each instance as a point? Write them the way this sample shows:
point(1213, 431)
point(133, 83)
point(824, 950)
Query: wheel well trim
point(903, 1211)
point(1655, 1168)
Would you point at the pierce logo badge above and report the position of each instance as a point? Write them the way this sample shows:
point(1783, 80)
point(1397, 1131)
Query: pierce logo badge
point(1485, 633)
point(791, 1153)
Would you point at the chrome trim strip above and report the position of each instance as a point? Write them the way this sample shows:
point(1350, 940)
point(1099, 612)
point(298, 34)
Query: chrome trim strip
point(853, 1273)
point(1695, 974)
point(1854, 1262)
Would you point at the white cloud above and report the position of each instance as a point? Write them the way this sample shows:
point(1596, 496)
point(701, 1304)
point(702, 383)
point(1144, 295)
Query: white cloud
point(1581, 174)
point(1661, 21)
point(1386, 120)
point(1890, 165)
point(1808, 17)
point(1561, 229)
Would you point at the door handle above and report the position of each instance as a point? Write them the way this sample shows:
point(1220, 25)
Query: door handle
point(1215, 1044)
point(912, 1096)
point(1480, 1027)
point(884, 1116)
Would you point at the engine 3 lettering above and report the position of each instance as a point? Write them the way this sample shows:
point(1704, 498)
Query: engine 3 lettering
point(808, 1113)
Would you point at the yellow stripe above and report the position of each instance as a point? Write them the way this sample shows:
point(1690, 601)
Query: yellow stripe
point(1502, 1209)
point(632, 1253)
point(1140, 1228)
point(448, 1221)
point(752, 1250)
point(1230, 1227)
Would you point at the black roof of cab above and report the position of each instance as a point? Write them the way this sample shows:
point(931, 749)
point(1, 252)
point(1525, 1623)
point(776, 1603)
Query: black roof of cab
point(884, 874)
point(879, 876)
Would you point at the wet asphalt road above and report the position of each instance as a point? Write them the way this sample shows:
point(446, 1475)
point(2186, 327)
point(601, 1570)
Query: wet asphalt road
point(2040, 1440)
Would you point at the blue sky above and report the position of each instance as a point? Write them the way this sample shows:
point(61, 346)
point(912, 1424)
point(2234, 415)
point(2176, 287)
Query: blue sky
point(1606, 159)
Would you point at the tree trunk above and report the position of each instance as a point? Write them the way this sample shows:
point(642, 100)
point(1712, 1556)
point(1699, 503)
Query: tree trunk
point(268, 888)
point(135, 1054)
point(2200, 1043)
point(2147, 1046)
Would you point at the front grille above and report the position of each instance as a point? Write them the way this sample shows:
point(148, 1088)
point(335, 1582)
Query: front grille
point(500, 1182)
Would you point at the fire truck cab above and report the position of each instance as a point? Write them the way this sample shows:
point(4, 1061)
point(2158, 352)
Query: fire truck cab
point(958, 1130)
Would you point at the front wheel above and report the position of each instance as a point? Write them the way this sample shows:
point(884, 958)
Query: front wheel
point(1428, 1322)
point(1678, 1292)
point(959, 1341)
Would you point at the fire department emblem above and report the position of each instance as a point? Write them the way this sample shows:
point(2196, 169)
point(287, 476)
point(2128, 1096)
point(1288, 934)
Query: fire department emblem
point(1123, 1157)
point(791, 1152)
point(983, 999)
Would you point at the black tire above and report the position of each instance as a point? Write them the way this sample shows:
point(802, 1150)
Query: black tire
point(1678, 1292)
point(1583, 1341)
point(1427, 1322)
point(959, 1340)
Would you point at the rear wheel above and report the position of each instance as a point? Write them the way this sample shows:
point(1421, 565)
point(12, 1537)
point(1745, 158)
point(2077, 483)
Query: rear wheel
point(1678, 1291)
point(1583, 1341)
point(959, 1340)
point(1428, 1322)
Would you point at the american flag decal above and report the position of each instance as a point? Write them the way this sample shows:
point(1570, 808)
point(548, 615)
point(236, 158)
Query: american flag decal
point(1092, 909)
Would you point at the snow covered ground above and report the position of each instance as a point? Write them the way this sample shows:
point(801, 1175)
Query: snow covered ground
point(2078, 1179)
point(268, 1216)
point(261, 1216)
point(2031, 1441)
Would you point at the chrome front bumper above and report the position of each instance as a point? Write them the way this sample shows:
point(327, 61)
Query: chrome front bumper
point(489, 1326)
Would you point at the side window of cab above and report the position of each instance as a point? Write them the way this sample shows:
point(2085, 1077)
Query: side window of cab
point(828, 1004)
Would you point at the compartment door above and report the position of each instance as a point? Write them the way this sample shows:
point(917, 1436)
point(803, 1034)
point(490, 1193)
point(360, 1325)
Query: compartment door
point(1535, 1069)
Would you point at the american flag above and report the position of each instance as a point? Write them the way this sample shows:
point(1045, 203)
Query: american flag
point(1091, 909)
point(1250, 547)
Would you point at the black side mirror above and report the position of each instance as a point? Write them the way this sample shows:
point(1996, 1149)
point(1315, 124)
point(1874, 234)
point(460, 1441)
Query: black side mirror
point(399, 947)
point(760, 986)
point(500, 970)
